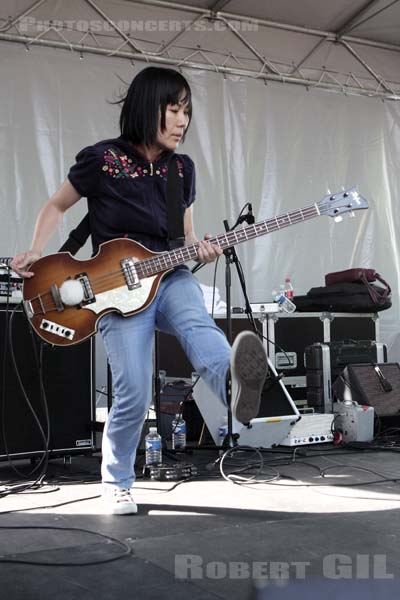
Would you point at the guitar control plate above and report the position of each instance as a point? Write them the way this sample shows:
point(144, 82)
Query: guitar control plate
point(59, 330)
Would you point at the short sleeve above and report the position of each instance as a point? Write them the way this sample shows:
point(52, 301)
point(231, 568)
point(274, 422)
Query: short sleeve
point(84, 174)
point(189, 180)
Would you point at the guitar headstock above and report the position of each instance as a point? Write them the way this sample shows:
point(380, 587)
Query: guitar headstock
point(335, 205)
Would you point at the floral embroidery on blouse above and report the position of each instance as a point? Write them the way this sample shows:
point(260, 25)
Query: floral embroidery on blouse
point(119, 165)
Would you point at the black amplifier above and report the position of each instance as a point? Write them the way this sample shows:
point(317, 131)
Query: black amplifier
point(10, 284)
point(325, 362)
point(69, 383)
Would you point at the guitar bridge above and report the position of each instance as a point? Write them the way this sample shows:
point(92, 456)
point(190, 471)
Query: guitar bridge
point(28, 308)
point(129, 271)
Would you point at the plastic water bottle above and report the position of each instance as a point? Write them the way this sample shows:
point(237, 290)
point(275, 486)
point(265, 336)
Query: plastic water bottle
point(288, 289)
point(222, 431)
point(284, 303)
point(153, 447)
point(178, 433)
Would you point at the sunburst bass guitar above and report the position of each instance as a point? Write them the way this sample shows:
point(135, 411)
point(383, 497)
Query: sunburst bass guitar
point(66, 297)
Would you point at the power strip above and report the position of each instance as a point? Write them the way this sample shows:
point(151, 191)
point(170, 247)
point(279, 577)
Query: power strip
point(311, 429)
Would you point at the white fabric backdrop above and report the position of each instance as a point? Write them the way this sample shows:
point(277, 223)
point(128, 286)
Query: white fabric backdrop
point(279, 147)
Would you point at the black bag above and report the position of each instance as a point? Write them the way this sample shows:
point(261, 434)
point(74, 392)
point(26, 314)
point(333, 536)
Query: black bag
point(342, 297)
point(368, 277)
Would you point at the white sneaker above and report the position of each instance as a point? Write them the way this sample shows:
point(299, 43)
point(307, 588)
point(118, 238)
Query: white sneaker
point(249, 369)
point(119, 501)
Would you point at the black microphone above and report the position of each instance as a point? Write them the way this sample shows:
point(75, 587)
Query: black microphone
point(386, 385)
point(250, 217)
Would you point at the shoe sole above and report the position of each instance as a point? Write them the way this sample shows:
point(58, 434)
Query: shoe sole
point(249, 370)
point(123, 510)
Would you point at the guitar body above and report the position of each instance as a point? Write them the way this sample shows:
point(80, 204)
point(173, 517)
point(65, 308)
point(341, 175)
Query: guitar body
point(68, 325)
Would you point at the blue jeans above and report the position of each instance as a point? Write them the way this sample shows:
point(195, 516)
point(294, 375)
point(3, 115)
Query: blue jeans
point(178, 309)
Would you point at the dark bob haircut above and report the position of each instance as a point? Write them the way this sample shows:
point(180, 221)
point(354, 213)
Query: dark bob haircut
point(148, 96)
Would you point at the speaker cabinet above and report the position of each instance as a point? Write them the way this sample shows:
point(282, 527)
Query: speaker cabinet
point(68, 379)
point(373, 385)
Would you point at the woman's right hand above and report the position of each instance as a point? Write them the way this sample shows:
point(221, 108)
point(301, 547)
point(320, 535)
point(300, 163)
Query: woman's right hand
point(46, 223)
point(23, 260)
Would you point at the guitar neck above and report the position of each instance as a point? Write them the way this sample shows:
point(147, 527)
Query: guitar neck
point(174, 258)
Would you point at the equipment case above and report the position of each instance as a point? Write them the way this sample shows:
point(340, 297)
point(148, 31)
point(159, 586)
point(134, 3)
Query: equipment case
point(293, 332)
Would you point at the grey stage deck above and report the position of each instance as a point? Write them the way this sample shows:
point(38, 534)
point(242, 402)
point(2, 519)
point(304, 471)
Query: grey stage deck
point(206, 538)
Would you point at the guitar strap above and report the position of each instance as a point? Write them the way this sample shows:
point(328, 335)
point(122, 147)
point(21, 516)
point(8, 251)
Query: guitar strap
point(175, 209)
point(77, 237)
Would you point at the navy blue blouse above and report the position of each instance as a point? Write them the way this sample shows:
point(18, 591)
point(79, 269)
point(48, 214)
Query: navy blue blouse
point(126, 193)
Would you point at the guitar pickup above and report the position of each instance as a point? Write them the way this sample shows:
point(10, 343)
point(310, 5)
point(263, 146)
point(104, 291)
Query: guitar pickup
point(88, 294)
point(129, 271)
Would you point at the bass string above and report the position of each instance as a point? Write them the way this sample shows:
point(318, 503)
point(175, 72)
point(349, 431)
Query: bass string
point(47, 306)
point(107, 283)
point(108, 280)
point(105, 287)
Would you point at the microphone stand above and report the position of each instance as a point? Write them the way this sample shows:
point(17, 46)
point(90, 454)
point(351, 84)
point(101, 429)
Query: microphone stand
point(231, 258)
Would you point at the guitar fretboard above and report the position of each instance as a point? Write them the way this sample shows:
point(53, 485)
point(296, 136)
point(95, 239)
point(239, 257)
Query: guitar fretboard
point(174, 258)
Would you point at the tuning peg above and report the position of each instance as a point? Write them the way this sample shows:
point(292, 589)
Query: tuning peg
point(338, 219)
point(352, 214)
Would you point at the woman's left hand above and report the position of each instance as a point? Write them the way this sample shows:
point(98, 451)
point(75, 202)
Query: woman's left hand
point(208, 252)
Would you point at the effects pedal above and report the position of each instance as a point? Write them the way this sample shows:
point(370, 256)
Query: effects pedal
point(163, 472)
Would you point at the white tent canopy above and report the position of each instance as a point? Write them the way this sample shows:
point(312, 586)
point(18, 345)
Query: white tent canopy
point(350, 45)
point(291, 100)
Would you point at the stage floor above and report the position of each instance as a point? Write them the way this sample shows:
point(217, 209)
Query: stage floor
point(321, 513)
